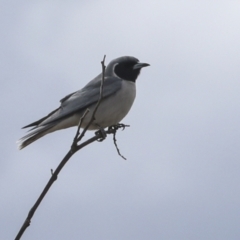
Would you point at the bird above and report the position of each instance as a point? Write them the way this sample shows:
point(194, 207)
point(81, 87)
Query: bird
point(118, 95)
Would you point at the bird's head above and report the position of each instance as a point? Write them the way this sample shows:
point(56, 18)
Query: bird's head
point(127, 68)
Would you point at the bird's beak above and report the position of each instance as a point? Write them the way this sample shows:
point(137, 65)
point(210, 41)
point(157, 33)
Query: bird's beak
point(140, 65)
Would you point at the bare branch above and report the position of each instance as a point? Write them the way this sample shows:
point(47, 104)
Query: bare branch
point(120, 125)
point(72, 151)
point(75, 140)
point(115, 143)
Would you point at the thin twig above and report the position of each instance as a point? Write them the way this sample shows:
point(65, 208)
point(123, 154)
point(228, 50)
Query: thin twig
point(75, 140)
point(99, 100)
point(115, 143)
point(115, 128)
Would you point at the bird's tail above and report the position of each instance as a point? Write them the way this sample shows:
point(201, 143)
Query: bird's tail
point(35, 134)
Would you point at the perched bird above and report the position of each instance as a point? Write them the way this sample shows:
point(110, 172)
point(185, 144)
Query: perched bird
point(119, 92)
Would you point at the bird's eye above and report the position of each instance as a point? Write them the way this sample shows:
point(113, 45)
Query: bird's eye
point(129, 65)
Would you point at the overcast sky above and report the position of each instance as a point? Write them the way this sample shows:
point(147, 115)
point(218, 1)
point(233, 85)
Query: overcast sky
point(182, 177)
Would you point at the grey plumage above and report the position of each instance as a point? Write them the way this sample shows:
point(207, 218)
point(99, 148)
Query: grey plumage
point(118, 96)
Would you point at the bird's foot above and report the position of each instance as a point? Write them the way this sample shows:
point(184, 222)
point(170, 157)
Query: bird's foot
point(117, 126)
point(101, 134)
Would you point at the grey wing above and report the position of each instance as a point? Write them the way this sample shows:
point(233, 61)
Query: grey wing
point(84, 98)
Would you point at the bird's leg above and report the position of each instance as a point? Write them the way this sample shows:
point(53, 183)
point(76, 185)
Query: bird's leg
point(101, 133)
point(122, 125)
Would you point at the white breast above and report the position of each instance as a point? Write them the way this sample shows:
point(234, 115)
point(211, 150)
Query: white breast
point(114, 108)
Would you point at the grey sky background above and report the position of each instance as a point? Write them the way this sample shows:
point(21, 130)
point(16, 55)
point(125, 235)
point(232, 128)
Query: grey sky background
point(181, 179)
